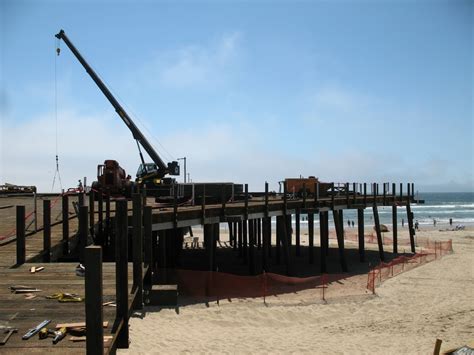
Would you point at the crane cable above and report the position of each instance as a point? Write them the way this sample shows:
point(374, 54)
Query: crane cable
point(58, 50)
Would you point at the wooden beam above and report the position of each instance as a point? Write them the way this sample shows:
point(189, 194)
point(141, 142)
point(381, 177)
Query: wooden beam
point(395, 228)
point(311, 237)
point(361, 227)
point(137, 219)
point(297, 231)
point(148, 246)
point(340, 239)
point(83, 230)
point(94, 300)
point(20, 235)
point(378, 232)
point(121, 271)
point(323, 235)
point(47, 231)
point(410, 228)
point(65, 217)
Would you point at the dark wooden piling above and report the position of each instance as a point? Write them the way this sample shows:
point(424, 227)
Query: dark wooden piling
point(346, 187)
point(279, 228)
point(46, 231)
point(100, 219)
point(411, 230)
point(251, 247)
point(148, 246)
point(83, 230)
point(245, 249)
point(94, 300)
point(340, 239)
point(121, 271)
point(80, 199)
point(137, 219)
point(311, 237)
point(108, 224)
point(378, 232)
point(265, 243)
point(20, 235)
point(65, 217)
point(208, 245)
point(297, 232)
point(231, 233)
point(92, 212)
point(323, 239)
point(258, 225)
point(365, 193)
point(240, 239)
point(395, 228)
point(285, 245)
point(360, 226)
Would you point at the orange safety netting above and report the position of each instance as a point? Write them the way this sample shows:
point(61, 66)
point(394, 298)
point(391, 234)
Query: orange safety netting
point(403, 263)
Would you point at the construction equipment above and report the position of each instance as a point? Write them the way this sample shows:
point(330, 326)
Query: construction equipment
point(112, 179)
point(151, 175)
point(9, 332)
point(298, 186)
point(36, 329)
point(58, 335)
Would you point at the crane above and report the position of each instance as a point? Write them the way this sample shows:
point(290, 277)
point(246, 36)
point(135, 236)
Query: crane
point(151, 175)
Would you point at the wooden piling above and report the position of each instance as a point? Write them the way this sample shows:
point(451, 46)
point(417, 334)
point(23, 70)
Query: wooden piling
point(378, 232)
point(251, 247)
point(46, 231)
point(285, 244)
point(323, 236)
point(394, 228)
point(410, 228)
point(208, 245)
point(107, 220)
point(100, 219)
point(65, 217)
point(94, 300)
point(360, 226)
point(240, 238)
point(137, 219)
point(20, 235)
point(311, 237)
point(92, 212)
point(83, 231)
point(245, 241)
point(258, 225)
point(297, 232)
point(279, 222)
point(148, 246)
point(121, 271)
point(340, 239)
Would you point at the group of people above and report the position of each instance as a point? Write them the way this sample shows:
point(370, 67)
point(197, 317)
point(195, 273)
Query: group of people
point(350, 223)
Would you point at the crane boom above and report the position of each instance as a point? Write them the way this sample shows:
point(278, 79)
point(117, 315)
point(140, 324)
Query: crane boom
point(162, 169)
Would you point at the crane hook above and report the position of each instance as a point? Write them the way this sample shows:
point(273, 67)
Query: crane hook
point(58, 50)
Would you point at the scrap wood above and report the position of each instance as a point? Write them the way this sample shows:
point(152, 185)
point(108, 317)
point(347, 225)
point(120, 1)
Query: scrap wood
point(83, 338)
point(110, 303)
point(29, 296)
point(23, 289)
point(35, 269)
point(77, 325)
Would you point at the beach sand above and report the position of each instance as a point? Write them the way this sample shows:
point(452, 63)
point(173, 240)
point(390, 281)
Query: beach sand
point(407, 314)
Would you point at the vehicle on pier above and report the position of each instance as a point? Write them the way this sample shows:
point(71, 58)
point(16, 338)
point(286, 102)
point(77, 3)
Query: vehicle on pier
point(297, 186)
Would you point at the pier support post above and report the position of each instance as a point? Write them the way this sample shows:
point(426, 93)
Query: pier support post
point(266, 245)
point(285, 242)
point(121, 271)
point(107, 220)
point(231, 233)
point(252, 247)
point(91, 212)
point(245, 240)
point(240, 238)
point(137, 250)
point(65, 215)
point(148, 242)
point(100, 219)
point(297, 232)
point(410, 228)
point(47, 231)
point(259, 233)
point(208, 244)
point(83, 231)
point(311, 237)
point(361, 227)
point(94, 300)
point(20, 235)
point(340, 238)
point(323, 239)
point(395, 228)
point(279, 227)
point(378, 232)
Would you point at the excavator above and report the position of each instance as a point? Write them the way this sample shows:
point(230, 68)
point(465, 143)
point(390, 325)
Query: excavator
point(111, 178)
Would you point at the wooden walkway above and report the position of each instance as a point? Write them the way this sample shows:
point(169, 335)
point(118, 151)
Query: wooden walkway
point(19, 312)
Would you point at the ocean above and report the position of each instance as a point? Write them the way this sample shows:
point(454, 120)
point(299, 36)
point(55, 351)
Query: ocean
point(439, 207)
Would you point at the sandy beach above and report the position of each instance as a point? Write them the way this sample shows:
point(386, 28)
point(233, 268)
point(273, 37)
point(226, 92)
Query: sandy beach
point(407, 314)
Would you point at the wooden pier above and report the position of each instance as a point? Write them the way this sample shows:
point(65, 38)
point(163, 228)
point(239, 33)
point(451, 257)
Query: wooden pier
point(107, 229)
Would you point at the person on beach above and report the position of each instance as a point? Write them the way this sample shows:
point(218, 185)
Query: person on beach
point(416, 225)
point(352, 224)
point(349, 223)
point(434, 222)
point(403, 222)
point(450, 221)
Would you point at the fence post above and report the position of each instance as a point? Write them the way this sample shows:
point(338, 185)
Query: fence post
point(137, 250)
point(47, 231)
point(94, 299)
point(20, 235)
point(121, 270)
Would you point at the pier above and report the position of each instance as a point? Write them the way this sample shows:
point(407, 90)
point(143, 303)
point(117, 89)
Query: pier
point(126, 245)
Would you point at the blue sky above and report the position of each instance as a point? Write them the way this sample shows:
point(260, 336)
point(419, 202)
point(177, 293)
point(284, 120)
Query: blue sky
point(247, 91)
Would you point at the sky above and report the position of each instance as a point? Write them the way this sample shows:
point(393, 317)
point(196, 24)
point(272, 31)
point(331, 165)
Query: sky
point(248, 92)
